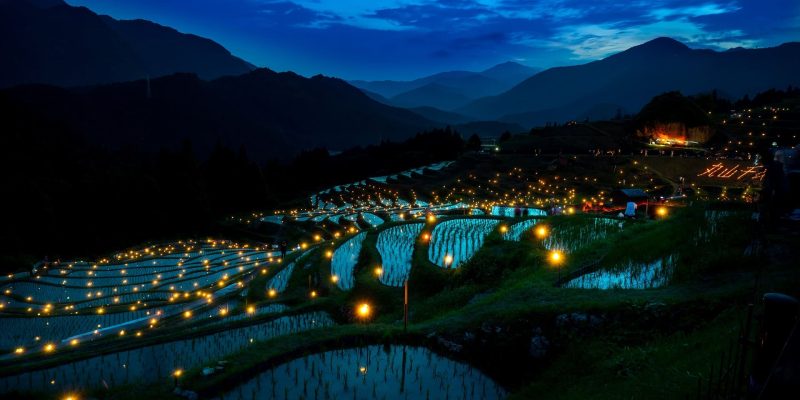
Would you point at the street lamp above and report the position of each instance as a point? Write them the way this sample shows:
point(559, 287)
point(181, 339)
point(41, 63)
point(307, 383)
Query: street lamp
point(556, 258)
point(176, 375)
point(541, 232)
point(662, 212)
point(363, 311)
point(448, 261)
point(378, 271)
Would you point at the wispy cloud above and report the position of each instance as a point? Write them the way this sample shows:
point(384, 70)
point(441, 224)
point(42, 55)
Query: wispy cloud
point(384, 38)
point(693, 11)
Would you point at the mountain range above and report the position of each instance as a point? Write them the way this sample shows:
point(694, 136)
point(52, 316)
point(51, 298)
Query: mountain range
point(270, 114)
point(627, 80)
point(136, 83)
point(48, 41)
point(447, 90)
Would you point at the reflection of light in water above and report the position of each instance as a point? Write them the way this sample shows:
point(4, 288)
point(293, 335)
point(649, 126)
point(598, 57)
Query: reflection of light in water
point(572, 238)
point(152, 363)
point(384, 372)
point(630, 276)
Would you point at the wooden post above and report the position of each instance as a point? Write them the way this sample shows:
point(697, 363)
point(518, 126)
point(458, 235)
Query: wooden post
point(405, 306)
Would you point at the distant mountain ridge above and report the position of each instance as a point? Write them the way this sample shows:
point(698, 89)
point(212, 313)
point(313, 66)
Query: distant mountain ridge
point(449, 90)
point(629, 79)
point(50, 42)
point(271, 115)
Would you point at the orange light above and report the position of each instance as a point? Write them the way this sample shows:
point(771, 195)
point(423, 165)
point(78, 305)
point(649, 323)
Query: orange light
point(541, 232)
point(177, 373)
point(431, 218)
point(334, 278)
point(187, 314)
point(273, 293)
point(364, 310)
point(378, 271)
point(251, 310)
point(556, 257)
point(313, 294)
point(19, 350)
point(49, 348)
point(503, 229)
point(662, 211)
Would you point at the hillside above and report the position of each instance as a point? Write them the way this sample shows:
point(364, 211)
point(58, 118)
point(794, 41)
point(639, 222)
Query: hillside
point(51, 42)
point(631, 78)
point(270, 114)
point(449, 90)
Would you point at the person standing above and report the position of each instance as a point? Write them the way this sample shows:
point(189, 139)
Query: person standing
point(283, 247)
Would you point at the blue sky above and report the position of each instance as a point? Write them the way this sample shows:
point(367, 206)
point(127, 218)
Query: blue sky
point(404, 39)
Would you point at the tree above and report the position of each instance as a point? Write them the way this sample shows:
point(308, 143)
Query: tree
point(474, 142)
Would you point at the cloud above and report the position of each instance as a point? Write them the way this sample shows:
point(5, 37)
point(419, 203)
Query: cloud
point(693, 11)
point(410, 38)
point(589, 42)
point(593, 41)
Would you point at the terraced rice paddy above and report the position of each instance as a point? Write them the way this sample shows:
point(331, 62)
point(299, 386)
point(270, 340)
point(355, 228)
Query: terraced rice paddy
point(503, 211)
point(515, 231)
point(372, 372)
point(454, 242)
point(574, 237)
point(344, 261)
point(23, 331)
point(396, 247)
point(628, 276)
point(157, 362)
point(93, 300)
point(280, 281)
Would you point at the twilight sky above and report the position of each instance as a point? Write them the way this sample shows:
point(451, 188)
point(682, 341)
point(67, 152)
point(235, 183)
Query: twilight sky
point(406, 39)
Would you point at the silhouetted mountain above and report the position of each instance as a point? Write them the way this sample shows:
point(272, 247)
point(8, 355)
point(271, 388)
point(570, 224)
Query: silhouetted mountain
point(510, 71)
point(432, 95)
point(272, 114)
point(376, 97)
point(48, 41)
point(631, 78)
point(446, 90)
point(435, 114)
